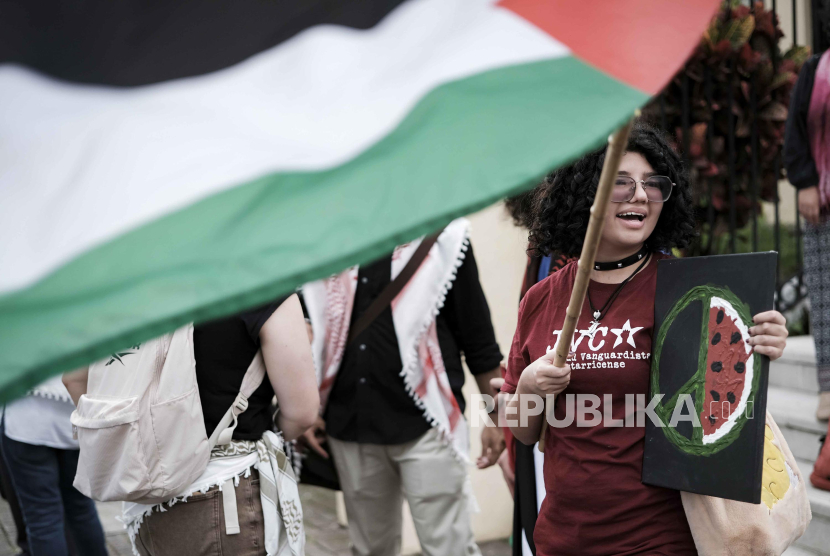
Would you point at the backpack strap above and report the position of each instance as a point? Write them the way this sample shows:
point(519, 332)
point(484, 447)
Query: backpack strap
point(223, 433)
point(395, 287)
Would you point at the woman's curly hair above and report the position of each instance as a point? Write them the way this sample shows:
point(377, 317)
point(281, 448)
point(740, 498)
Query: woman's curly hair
point(562, 202)
point(520, 208)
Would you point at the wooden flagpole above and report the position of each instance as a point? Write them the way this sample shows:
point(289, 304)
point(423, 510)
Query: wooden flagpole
point(616, 147)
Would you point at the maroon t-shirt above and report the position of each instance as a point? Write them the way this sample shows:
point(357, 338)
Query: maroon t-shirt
point(596, 503)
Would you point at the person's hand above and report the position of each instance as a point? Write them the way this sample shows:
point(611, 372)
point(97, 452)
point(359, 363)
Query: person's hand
point(769, 335)
point(315, 436)
point(496, 393)
point(507, 472)
point(543, 378)
point(495, 388)
point(492, 445)
point(809, 205)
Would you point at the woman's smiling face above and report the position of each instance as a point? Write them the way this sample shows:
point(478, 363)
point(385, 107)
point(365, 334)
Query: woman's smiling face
point(629, 224)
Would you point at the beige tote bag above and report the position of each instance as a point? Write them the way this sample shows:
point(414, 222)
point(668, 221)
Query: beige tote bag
point(729, 528)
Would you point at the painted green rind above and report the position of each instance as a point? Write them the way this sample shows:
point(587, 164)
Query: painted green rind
point(697, 383)
point(464, 146)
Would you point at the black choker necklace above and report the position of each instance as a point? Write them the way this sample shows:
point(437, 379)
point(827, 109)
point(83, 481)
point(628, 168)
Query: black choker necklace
point(599, 313)
point(622, 263)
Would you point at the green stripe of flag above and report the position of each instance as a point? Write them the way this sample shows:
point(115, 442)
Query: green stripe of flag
point(465, 145)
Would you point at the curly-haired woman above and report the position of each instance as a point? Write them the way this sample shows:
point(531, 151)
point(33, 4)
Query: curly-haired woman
point(596, 503)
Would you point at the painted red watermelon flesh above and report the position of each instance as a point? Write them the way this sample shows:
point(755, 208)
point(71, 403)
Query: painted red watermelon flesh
point(729, 370)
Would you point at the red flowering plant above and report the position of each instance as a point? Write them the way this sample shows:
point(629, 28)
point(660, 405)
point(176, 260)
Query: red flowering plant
point(738, 56)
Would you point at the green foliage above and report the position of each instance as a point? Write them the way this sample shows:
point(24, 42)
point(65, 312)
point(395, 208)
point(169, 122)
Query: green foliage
point(738, 57)
point(798, 322)
point(788, 263)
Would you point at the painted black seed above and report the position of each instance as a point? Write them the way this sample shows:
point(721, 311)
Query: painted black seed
point(712, 419)
point(717, 367)
point(715, 395)
point(736, 337)
point(716, 338)
point(720, 316)
point(730, 397)
point(740, 367)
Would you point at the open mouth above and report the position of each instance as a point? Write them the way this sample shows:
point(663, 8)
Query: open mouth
point(632, 216)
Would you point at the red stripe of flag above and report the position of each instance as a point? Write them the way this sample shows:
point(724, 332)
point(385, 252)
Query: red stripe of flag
point(639, 42)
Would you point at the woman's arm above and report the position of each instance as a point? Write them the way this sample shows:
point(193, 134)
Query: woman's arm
point(75, 382)
point(798, 157)
point(287, 355)
point(540, 379)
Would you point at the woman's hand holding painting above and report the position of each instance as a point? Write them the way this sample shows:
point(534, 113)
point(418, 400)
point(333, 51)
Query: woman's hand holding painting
point(769, 335)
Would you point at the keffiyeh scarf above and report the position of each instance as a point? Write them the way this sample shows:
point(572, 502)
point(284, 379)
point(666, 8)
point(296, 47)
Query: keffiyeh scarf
point(281, 509)
point(52, 389)
point(414, 310)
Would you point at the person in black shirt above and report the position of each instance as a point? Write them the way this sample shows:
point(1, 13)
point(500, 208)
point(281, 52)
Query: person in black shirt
point(383, 446)
point(223, 349)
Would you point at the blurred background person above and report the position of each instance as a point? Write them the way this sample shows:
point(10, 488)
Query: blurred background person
point(223, 350)
point(807, 159)
point(10, 496)
point(391, 391)
point(42, 456)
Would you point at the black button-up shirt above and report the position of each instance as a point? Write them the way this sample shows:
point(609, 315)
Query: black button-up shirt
point(368, 402)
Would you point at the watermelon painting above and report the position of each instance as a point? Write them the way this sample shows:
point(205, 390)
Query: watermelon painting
point(706, 375)
point(724, 385)
point(729, 371)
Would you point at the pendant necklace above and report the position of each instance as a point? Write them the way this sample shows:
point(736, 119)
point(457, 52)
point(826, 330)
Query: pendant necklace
point(599, 313)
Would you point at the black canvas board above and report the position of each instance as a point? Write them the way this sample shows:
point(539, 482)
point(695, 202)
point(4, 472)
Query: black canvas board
point(733, 471)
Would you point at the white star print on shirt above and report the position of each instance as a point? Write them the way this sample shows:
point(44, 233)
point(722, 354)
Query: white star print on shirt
point(626, 328)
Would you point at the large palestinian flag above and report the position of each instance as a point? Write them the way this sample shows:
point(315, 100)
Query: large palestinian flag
point(163, 161)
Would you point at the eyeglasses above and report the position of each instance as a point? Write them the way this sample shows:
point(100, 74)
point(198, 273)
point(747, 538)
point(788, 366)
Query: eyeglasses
point(658, 189)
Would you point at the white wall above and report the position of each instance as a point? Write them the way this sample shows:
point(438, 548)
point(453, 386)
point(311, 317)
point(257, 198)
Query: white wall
point(804, 29)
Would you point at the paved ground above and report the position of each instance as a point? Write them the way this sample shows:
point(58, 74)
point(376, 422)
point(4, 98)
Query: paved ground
point(324, 537)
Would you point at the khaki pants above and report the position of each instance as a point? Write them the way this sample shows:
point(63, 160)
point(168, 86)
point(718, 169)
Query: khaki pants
point(374, 479)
